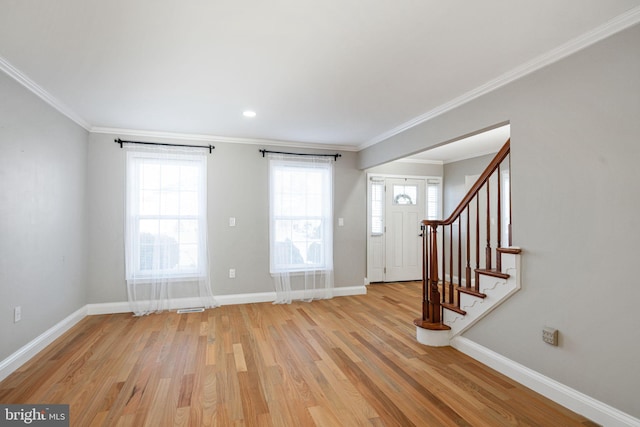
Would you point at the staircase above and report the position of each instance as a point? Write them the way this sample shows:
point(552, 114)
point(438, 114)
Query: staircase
point(470, 240)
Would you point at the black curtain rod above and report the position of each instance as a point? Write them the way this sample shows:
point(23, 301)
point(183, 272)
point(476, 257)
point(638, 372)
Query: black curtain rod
point(335, 156)
point(119, 141)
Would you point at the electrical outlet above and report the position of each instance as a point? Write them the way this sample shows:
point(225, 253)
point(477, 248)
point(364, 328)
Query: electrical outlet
point(232, 273)
point(17, 314)
point(550, 335)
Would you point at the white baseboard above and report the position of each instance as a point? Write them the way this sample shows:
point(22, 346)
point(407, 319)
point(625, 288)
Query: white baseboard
point(253, 298)
point(349, 290)
point(108, 308)
point(574, 400)
point(257, 297)
point(27, 351)
point(125, 307)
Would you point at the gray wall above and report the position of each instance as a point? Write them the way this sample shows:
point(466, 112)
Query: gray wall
point(238, 187)
point(42, 216)
point(454, 174)
point(574, 169)
point(406, 168)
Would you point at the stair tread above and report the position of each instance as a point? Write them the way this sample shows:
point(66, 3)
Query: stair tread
point(470, 291)
point(453, 307)
point(431, 326)
point(494, 273)
point(509, 250)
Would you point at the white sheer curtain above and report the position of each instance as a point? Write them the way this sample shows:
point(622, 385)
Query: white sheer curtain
point(166, 248)
point(301, 227)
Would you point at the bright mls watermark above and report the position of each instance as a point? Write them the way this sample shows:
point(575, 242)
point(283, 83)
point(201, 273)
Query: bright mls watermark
point(34, 415)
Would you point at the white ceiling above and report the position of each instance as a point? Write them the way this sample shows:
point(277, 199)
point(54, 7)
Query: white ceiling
point(340, 73)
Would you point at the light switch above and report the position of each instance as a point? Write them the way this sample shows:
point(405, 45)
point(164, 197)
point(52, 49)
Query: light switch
point(232, 221)
point(340, 222)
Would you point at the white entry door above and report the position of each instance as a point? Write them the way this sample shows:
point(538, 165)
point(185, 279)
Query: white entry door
point(404, 211)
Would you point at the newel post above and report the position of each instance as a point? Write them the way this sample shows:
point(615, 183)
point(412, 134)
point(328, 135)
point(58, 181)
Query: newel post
point(425, 276)
point(434, 293)
point(431, 308)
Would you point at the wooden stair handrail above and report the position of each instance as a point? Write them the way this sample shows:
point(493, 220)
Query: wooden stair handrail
point(473, 191)
point(433, 301)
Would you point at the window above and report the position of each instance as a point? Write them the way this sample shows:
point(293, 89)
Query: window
point(166, 215)
point(301, 214)
point(433, 199)
point(377, 207)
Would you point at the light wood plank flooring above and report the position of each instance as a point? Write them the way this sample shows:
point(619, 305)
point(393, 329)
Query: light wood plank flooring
point(350, 361)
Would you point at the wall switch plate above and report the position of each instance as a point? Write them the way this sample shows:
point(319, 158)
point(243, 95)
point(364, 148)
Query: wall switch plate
point(232, 273)
point(17, 314)
point(550, 335)
point(340, 222)
point(232, 221)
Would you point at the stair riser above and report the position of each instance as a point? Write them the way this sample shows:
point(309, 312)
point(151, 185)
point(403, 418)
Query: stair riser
point(497, 290)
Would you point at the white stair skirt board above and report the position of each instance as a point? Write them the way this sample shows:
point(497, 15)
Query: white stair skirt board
point(29, 350)
point(497, 291)
point(568, 397)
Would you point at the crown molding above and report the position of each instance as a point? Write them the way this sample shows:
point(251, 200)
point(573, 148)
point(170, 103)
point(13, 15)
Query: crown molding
point(420, 161)
point(25, 81)
point(601, 32)
point(214, 138)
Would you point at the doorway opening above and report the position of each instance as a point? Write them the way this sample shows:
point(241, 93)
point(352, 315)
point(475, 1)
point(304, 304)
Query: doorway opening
point(396, 206)
point(394, 246)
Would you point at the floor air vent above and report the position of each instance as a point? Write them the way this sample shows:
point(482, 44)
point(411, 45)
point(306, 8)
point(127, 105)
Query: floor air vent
point(191, 310)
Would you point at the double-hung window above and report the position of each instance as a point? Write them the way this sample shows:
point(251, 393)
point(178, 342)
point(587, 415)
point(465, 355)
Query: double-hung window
point(301, 214)
point(166, 216)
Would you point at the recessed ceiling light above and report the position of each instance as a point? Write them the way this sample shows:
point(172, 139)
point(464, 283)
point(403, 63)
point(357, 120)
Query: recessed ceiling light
point(249, 113)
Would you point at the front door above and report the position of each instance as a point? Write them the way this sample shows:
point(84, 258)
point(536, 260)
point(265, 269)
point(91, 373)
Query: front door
point(404, 210)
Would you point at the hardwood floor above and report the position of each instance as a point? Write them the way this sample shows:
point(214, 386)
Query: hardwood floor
point(349, 361)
